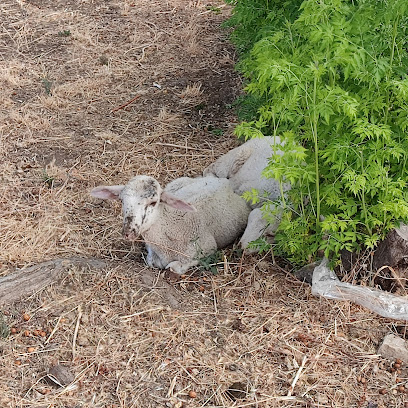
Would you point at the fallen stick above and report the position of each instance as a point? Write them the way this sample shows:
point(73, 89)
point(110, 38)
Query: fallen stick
point(126, 104)
point(297, 376)
point(74, 339)
point(27, 281)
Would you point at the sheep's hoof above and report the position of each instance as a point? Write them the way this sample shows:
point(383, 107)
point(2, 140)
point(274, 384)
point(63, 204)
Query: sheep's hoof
point(177, 267)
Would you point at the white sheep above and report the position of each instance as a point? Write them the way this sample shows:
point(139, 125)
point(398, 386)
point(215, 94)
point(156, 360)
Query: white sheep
point(243, 167)
point(189, 220)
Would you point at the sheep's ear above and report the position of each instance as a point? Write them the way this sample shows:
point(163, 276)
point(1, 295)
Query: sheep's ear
point(107, 192)
point(175, 202)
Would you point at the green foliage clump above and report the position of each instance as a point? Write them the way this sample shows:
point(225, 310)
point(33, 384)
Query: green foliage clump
point(332, 81)
point(255, 19)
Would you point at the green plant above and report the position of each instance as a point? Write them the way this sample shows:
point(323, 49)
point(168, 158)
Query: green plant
point(216, 131)
point(47, 85)
point(4, 327)
point(254, 19)
point(214, 9)
point(209, 262)
point(333, 83)
point(65, 33)
point(47, 179)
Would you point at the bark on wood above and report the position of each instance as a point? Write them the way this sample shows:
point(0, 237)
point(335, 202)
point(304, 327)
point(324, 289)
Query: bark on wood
point(305, 274)
point(24, 282)
point(393, 250)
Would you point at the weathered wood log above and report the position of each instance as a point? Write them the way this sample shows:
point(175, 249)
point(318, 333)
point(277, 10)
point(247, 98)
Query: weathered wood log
point(26, 281)
point(305, 274)
point(393, 250)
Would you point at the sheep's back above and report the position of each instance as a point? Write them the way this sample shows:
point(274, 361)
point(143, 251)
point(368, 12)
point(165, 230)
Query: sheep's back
point(196, 190)
point(226, 217)
point(221, 216)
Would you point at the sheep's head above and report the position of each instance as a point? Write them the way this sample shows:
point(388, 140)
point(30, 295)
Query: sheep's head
point(140, 198)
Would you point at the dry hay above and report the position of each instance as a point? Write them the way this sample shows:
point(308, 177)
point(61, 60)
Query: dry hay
point(95, 92)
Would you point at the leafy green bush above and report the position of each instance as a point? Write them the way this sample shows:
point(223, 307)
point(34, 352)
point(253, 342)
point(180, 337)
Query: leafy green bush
point(332, 81)
point(255, 19)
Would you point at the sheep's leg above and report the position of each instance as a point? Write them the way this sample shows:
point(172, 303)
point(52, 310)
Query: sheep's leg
point(196, 249)
point(181, 267)
point(153, 259)
point(256, 227)
point(228, 164)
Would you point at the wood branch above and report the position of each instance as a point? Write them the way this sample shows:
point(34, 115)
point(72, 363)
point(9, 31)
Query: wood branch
point(393, 250)
point(126, 104)
point(305, 274)
point(27, 281)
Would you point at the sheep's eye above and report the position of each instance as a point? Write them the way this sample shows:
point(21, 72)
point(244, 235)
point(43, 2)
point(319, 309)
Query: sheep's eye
point(152, 204)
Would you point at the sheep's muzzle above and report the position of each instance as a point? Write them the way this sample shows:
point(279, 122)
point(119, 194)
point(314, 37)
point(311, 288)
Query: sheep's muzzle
point(130, 231)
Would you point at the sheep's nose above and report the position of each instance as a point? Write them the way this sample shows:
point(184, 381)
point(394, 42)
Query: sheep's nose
point(130, 232)
point(130, 236)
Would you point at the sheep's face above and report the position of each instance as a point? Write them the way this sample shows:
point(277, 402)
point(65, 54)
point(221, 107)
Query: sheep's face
point(140, 199)
point(140, 203)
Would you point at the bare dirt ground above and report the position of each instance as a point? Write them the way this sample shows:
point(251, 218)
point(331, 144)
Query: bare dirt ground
point(130, 336)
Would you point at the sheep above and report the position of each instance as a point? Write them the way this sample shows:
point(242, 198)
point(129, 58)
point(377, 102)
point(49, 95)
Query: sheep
point(256, 227)
point(243, 167)
point(188, 220)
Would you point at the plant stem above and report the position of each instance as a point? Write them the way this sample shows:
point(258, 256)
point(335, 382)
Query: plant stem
point(394, 37)
point(316, 149)
point(282, 194)
point(363, 203)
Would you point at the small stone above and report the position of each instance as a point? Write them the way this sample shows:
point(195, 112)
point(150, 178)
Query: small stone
point(83, 341)
point(60, 375)
point(322, 399)
point(372, 404)
point(237, 325)
point(85, 319)
point(175, 403)
point(393, 348)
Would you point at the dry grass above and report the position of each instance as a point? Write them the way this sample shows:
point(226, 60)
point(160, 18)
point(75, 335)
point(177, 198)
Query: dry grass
point(93, 93)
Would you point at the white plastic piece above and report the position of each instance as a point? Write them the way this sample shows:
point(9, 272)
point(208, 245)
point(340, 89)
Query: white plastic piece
point(325, 283)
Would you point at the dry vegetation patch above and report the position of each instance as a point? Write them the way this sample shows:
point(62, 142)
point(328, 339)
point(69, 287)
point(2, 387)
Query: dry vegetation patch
point(94, 92)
